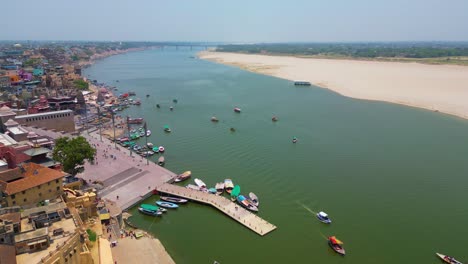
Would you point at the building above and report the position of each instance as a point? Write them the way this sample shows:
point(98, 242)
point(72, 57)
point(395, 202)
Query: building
point(5, 81)
point(30, 184)
point(7, 254)
point(10, 224)
point(58, 120)
point(11, 152)
point(41, 156)
point(5, 114)
point(16, 131)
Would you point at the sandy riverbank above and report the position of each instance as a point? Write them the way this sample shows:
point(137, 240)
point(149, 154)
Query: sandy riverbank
point(441, 88)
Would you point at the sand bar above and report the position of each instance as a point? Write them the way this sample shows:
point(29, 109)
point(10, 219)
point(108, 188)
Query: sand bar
point(435, 87)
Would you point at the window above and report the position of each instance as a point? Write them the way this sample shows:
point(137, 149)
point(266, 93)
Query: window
point(50, 190)
point(56, 181)
point(40, 194)
point(58, 188)
point(48, 183)
point(14, 202)
point(23, 192)
point(25, 200)
point(13, 196)
point(39, 187)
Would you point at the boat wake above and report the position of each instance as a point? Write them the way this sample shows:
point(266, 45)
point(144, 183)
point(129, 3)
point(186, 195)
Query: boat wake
point(307, 208)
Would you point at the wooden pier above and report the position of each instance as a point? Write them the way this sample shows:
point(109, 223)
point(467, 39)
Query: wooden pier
point(236, 212)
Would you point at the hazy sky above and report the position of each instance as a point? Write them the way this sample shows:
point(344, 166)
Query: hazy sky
point(235, 20)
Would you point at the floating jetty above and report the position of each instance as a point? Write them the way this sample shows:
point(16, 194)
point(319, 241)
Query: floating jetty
point(235, 211)
point(302, 83)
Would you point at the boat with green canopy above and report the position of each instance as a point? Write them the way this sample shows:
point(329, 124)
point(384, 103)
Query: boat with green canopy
point(149, 209)
point(235, 192)
point(167, 129)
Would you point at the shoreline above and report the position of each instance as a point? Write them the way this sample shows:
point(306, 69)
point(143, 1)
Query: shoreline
point(437, 88)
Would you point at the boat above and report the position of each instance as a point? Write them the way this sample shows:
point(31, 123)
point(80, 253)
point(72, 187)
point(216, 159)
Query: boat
point(254, 199)
point(174, 199)
point(193, 187)
point(246, 204)
point(235, 192)
point(167, 204)
point(162, 210)
point(219, 188)
point(147, 95)
point(149, 209)
point(214, 119)
point(171, 108)
point(183, 176)
point(142, 134)
point(156, 150)
point(228, 185)
point(336, 245)
point(274, 119)
point(323, 217)
point(175, 101)
point(158, 106)
point(134, 120)
point(167, 129)
point(148, 133)
point(237, 110)
point(212, 190)
point(149, 145)
point(161, 161)
point(161, 149)
point(200, 183)
point(232, 129)
point(294, 140)
point(448, 259)
point(302, 83)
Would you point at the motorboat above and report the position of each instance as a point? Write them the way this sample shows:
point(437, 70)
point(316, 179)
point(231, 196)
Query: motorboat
point(161, 161)
point(237, 110)
point(246, 204)
point(219, 188)
point(161, 149)
point(212, 190)
point(254, 199)
point(214, 119)
point(149, 209)
point(142, 134)
point(448, 259)
point(174, 101)
point(336, 245)
point(183, 176)
point(173, 199)
point(274, 119)
point(235, 192)
point(167, 204)
point(200, 183)
point(167, 129)
point(323, 217)
point(294, 140)
point(149, 145)
point(148, 133)
point(156, 149)
point(171, 108)
point(228, 185)
point(158, 106)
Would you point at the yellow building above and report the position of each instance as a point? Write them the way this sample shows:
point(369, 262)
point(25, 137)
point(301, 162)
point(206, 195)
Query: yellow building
point(30, 184)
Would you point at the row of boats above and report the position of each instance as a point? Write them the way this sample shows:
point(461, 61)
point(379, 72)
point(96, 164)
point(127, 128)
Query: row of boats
point(161, 206)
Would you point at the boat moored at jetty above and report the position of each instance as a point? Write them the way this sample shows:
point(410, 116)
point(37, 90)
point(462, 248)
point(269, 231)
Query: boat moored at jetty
point(149, 145)
point(336, 245)
point(134, 120)
point(246, 203)
point(219, 188)
point(237, 110)
point(161, 149)
point(448, 259)
point(167, 204)
point(254, 199)
point(184, 176)
point(228, 185)
point(212, 190)
point(161, 161)
point(149, 209)
point(200, 183)
point(148, 133)
point(193, 187)
point(174, 199)
point(235, 192)
point(323, 217)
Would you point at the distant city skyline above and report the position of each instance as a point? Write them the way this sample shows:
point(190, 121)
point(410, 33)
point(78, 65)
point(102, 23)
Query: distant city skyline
point(236, 21)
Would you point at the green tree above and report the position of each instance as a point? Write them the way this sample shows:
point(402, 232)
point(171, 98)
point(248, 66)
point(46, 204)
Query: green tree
point(91, 234)
point(80, 84)
point(72, 153)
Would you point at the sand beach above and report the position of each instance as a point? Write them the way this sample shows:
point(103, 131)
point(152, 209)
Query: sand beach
point(442, 88)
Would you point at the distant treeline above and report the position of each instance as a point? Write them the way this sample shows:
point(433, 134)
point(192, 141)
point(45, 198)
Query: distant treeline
point(356, 50)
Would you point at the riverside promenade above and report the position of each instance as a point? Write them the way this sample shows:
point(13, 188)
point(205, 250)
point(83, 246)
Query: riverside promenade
point(236, 212)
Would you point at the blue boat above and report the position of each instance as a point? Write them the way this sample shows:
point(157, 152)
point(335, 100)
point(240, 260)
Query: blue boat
point(212, 190)
point(323, 217)
point(167, 204)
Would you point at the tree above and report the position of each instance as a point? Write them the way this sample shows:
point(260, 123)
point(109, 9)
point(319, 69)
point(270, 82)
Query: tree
point(72, 153)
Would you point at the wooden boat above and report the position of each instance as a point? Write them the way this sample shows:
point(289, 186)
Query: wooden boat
point(219, 188)
point(175, 101)
point(212, 190)
point(200, 183)
point(302, 83)
point(142, 134)
point(336, 245)
point(149, 209)
point(274, 119)
point(174, 199)
point(161, 161)
point(183, 176)
point(448, 259)
point(148, 133)
point(237, 110)
point(158, 106)
point(149, 145)
point(246, 204)
point(147, 95)
point(167, 129)
point(232, 129)
point(161, 149)
point(254, 199)
point(228, 185)
point(323, 217)
point(134, 120)
point(155, 150)
point(167, 204)
point(214, 119)
point(235, 192)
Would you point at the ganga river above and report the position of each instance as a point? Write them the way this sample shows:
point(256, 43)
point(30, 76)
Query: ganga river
point(393, 179)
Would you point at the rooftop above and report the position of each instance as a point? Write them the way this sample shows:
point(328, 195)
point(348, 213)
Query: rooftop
point(7, 254)
point(44, 114)
point(32, 234)
point(33, 175)
point(36, 151)
point(53, 207)
point(7, 140)
point(13, 217)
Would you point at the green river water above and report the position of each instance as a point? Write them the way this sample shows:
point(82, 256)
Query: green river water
point(393, 179)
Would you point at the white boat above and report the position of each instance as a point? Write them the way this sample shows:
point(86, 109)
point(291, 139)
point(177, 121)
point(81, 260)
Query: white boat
point(228, 185)
point(193, 187)
point(200, 183)
point(148, 133)
point(150, 145)
point(254, 199)
point(219, 188)
point(448, 259)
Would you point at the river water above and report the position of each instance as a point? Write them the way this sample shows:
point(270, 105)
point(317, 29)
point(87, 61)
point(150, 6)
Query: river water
point(393, 179)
